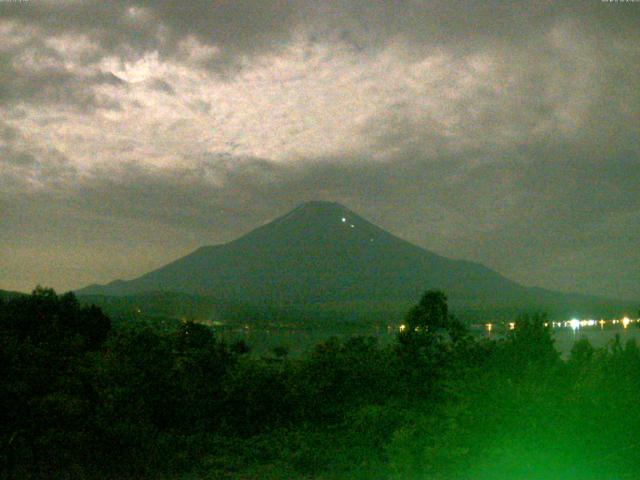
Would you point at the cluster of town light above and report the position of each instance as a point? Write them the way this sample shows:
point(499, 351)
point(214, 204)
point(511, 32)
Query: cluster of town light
point(574, 323)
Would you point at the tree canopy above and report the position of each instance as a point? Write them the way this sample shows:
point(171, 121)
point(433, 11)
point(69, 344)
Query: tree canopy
point(82, 398)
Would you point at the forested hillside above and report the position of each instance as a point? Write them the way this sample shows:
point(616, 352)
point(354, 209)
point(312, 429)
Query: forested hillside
point(83, 399)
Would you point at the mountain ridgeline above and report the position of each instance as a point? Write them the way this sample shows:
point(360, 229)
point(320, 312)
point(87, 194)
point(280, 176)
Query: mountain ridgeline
point(323, 254)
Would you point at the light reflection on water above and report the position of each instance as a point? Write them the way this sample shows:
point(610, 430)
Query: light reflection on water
point(599, 333)
point(598, 338)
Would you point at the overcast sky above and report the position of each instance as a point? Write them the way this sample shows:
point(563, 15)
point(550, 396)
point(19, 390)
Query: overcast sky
point(501, 132)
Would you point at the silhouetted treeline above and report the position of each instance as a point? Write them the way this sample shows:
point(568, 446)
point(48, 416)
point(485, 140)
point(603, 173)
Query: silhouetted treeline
point(82, 399)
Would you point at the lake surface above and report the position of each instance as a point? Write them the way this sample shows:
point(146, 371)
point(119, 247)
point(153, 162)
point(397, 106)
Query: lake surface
point(300, 340)
point(598, 338)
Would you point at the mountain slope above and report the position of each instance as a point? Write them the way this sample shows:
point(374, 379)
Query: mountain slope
point(322, 252)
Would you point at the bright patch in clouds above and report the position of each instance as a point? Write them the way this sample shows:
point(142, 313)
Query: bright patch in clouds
point(309, 100)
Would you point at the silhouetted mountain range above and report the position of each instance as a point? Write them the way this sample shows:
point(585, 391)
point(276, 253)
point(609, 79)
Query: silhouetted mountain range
point(322, 253)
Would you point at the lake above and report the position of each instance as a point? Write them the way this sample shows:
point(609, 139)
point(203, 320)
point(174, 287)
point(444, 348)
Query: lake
point(298, 340)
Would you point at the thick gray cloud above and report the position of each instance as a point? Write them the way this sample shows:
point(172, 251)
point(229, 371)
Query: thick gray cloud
point(248, 27)
point(502, 133)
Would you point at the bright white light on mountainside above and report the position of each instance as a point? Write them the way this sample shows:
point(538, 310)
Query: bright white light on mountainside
point(344, 220)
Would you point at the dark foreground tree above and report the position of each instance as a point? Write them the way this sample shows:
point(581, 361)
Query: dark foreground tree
point(531, 342)
point(431, 317)
point(46, 343)
point(154, 403)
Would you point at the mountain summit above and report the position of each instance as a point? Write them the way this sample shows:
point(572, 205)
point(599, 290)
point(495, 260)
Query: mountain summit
point(323, 253)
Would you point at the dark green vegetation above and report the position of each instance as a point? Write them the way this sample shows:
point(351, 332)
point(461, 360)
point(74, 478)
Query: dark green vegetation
point(84, 399)
point(6, 294)
point(324, 260)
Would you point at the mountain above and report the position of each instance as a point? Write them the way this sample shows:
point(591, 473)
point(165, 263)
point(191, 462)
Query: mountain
point(322, 253)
